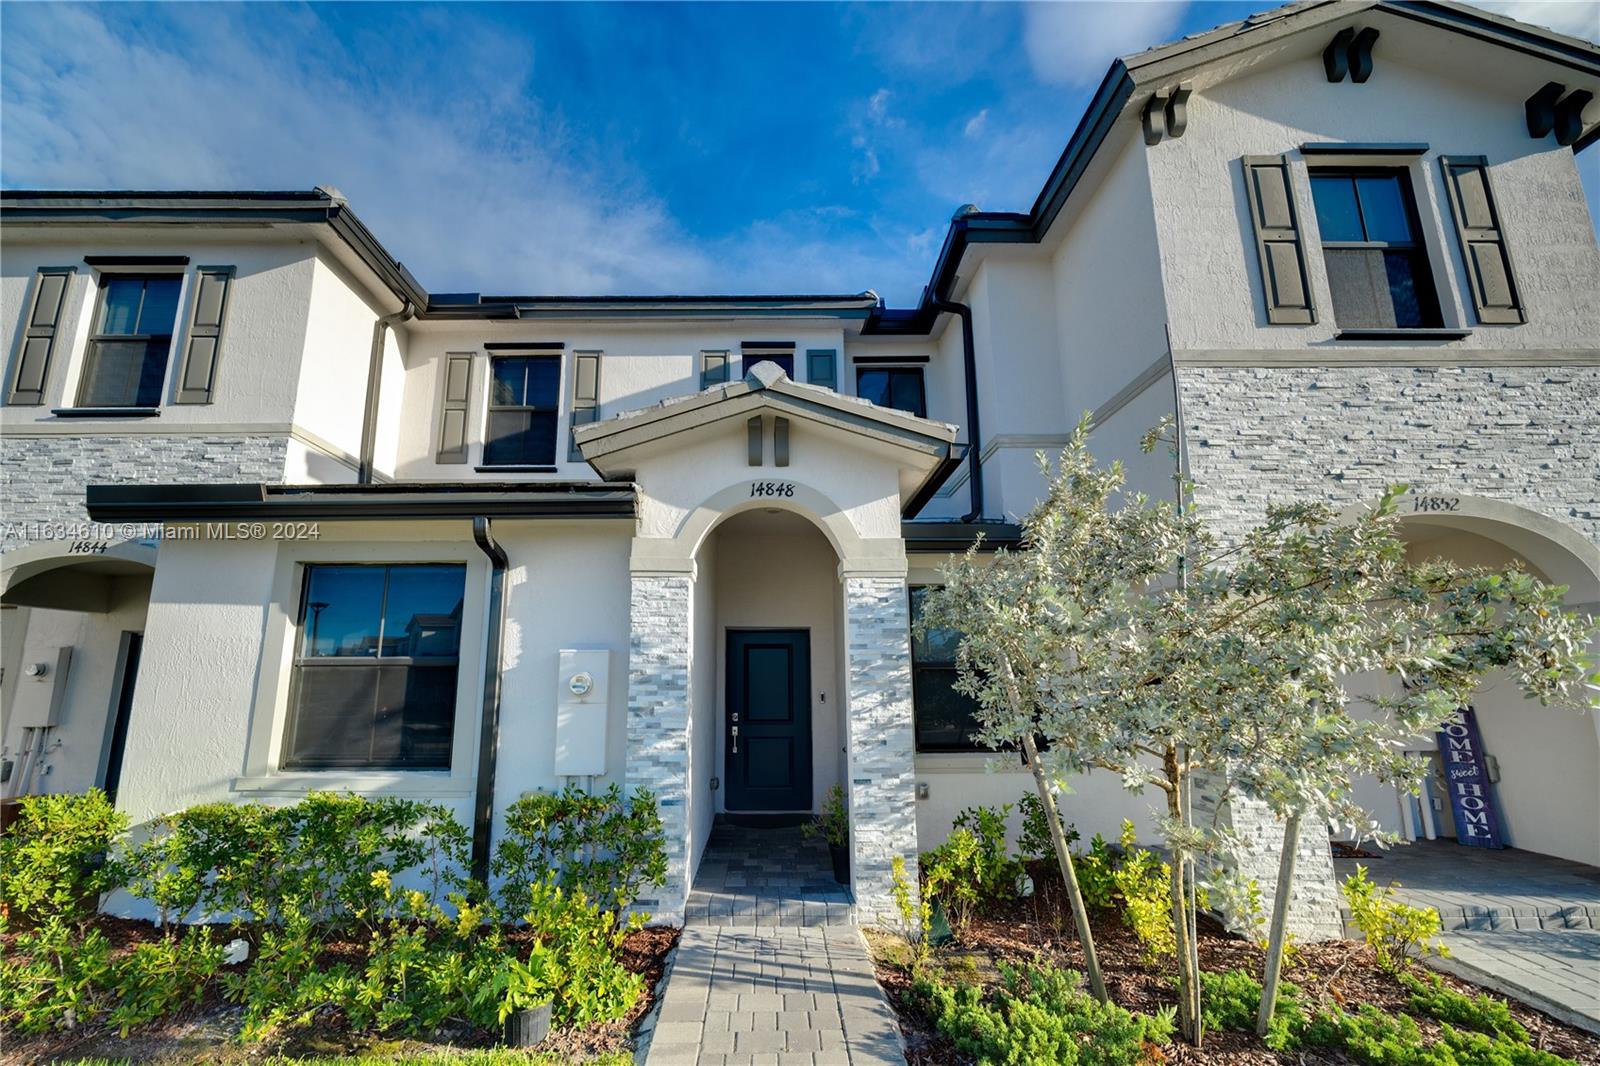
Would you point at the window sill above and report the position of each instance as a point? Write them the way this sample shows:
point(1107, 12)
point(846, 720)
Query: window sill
point(412, 784)
point(515, 469)
point(968, 762)
point(1401, 334)
point(106, 412)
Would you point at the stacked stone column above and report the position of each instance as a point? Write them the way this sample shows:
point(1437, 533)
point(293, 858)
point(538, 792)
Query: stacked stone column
point(880, 740)
point(658, 722)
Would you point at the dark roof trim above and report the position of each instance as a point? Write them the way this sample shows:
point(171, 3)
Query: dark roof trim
point(136, 260)
point(959, 536)
point(472, 306)
point(254, 502)
point(224, 208)
point(934, 481)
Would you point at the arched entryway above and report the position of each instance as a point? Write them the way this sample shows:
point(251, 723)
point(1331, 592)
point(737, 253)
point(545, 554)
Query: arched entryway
point(73, 617)
point(1543, 763)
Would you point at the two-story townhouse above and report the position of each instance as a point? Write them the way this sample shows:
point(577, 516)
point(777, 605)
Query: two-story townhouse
point(596, 539)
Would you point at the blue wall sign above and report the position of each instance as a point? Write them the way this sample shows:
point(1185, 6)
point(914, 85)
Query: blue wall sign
point(1466, 775)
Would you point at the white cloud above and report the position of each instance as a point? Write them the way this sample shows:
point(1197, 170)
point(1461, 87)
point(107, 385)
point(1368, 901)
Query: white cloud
point(1072, 42)
point(975, 124)
point(1577, 18)
point(473, 182)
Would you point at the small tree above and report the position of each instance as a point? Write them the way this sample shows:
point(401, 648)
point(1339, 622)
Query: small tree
point(1136, 641)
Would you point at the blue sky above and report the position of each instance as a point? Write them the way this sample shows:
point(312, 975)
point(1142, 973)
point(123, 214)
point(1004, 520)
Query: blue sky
point(595, 148)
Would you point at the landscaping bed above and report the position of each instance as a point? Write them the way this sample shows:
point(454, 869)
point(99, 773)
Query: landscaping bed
point(208, 1031)
point(1338, 974)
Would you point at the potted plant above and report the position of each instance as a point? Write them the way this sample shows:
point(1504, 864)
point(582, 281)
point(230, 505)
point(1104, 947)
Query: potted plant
point(833, 825)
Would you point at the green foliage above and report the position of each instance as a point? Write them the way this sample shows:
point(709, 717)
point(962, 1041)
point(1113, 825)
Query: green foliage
point(315, 858)
point(916, 918)
point(605, 845)
point(1393, 930)
point(58, 858)
point(1033, 839)
point(1230, 1001)
point(833, 824)
point(1040, 1016)
point(53, 976)
point(1144, 884)
point(1377, 1039)
point(1480, 1013)
point(996, 870)
point(951, 875)
point(1096, 870)
point(159, 977)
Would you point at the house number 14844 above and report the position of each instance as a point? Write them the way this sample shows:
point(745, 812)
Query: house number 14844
point(771, 488)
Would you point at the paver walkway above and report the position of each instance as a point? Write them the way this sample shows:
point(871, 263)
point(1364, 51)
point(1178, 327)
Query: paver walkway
point(1523, 924)
point(771, 970)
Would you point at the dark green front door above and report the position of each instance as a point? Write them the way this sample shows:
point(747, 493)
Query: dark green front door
point(768, 740)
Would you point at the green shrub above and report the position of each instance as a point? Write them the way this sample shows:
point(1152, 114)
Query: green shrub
point(1033, 839)
point(1377, 1039)
point(1481, 1013)
point(1144, 883)
point(996, 870)
point(1040, 1016)
point(950, 876)
point(916, 918)
point(59, 857)
point(1096, 871)
point(833, 824)
point(315, 858)
point(159, 977)
point(1231, 1000)
point(1394, 931)
point(606, 846)
point(55, 976)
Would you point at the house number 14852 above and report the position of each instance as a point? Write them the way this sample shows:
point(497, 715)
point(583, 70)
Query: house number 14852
point(771, 488)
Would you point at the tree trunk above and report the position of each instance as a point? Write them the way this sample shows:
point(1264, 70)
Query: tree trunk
point(1280, 923)
point(1189, 1010)
point(1080, 913)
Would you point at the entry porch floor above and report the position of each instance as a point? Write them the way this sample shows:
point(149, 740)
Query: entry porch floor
point(1484, 888)
point(766, 877)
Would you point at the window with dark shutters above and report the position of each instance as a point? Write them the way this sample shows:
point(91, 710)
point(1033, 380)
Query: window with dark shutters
point(50, 287)
point(126, 365)
point(1378, 272)
point(524, 402)
point(1482, 239)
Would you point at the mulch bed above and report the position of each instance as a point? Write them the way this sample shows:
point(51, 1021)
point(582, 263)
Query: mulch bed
point(205, 1031)
point(1341, 972)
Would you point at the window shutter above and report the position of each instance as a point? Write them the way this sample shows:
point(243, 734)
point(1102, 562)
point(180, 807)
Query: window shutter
point(1278, 241)
point(1483, 245)
point(455, 393)
point(822, 367)
point(39, 335)
point(713, 369)
point(585, 396)
point(205, 334)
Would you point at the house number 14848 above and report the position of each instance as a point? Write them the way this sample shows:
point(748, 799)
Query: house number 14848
point(771, 488)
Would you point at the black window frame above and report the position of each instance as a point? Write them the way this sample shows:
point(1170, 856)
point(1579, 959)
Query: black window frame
point(541, 460)
point(918, 687)
point(377, 662)
point(1426, 287)
point(99, 336)
point(892, 371)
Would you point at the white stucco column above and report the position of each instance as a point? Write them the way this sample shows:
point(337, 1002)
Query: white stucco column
point(661, 624)
point(880, 739)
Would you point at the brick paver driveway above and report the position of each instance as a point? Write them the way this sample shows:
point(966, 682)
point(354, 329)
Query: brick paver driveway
point(771, 970)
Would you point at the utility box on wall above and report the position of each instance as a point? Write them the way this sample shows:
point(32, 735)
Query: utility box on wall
point(581, 687)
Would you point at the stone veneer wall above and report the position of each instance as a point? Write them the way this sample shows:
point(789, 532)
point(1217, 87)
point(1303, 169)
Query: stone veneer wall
point(1526, 435)
point(42, 477)
point(658, 722)
point(880, 740)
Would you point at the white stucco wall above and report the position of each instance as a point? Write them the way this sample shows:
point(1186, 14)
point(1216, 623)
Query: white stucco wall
point(1208, 252)
point(331, 397)
point(76, 748)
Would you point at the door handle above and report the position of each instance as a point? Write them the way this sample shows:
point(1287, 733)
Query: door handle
point(736, 740)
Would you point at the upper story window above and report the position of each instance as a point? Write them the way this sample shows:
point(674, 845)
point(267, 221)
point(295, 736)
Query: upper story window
point(899, 387)
point(946, 720)
point(1372, 242)
point(126, 365)
point(524, 401)
point(374, 682)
